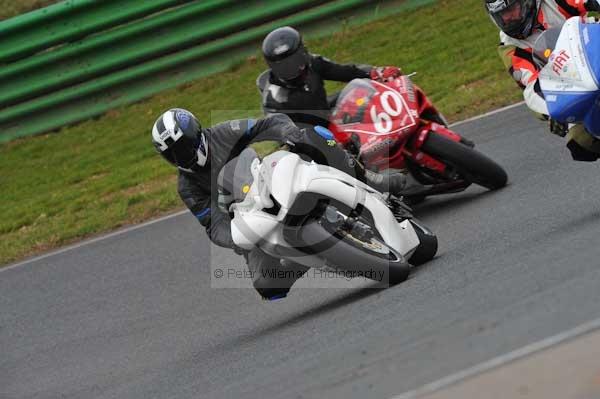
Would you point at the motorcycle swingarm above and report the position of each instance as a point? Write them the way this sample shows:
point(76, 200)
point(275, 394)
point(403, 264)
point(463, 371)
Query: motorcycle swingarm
point(441, 188)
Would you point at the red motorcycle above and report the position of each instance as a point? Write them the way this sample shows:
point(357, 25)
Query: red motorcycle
point(393, 125)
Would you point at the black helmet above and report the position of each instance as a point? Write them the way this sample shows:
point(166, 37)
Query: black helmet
point(178, 137)
point(516, 18)
point(285, 54)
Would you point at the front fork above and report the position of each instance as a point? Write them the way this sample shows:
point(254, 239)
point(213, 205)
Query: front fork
point(450, 181)
point(413, 149)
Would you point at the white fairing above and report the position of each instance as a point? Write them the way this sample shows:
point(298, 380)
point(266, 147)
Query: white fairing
point(284, 175)
point(567, 69)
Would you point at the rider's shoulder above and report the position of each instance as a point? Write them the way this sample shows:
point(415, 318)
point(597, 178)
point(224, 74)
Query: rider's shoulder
point(231, 126)
point(264, 79)
point(317, 59)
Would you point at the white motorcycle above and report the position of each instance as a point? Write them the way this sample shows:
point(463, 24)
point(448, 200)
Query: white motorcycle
point(320, 217)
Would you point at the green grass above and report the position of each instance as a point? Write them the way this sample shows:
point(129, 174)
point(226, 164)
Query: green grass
point(10, 8)
point(104, 173)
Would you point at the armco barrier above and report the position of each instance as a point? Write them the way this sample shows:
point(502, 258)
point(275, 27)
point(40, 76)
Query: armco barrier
point(133, 44)
point(120, 54)
point(68, 21)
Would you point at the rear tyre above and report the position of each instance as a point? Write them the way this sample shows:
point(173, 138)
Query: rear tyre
point(475, 166)
point(372, 259)
point(428, 244)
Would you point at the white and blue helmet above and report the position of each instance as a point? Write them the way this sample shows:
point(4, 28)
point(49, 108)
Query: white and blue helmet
point(178, 137)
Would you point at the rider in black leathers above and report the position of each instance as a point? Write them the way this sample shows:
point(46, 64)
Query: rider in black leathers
point(200, 154)
point(294, 84)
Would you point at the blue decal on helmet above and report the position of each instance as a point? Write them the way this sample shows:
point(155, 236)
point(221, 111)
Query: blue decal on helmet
point(324, 132)
point(183, 118)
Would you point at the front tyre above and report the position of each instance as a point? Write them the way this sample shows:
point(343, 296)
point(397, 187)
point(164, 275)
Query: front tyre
point(469, 162)
point(428, 244)
point(372, 259)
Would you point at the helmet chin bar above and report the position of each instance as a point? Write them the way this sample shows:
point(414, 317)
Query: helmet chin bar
point(201, 161)
point(202, 151)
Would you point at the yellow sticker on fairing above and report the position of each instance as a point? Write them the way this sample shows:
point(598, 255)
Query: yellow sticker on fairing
point(245, 189)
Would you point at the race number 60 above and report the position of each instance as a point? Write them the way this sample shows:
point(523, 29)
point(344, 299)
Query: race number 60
point(392, 106)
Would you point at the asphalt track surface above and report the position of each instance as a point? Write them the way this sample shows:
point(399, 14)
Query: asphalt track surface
point(134, 316)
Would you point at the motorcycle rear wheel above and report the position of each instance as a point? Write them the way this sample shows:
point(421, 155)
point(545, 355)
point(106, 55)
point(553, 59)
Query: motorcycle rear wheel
point(475, 166)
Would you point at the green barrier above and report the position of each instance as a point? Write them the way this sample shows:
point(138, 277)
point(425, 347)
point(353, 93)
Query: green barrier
point(43, 15)
point(167, 62)
point(188, 25)
point(73, 23)
point(99, 43)
point(119, 82)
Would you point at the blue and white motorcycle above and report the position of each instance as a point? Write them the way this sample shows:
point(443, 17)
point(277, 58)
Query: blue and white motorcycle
point(570, 76)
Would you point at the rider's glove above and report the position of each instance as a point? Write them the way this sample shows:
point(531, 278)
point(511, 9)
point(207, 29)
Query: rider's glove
point(592, 5)
point(559, 128)
point(224, 199)
point(240, 251)
point(384, 74)
point(386, 183)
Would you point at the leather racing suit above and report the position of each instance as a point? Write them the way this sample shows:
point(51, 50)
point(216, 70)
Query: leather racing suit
point(306, 101)
point(517, 55)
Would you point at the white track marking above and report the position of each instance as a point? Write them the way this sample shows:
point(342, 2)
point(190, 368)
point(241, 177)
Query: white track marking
point(497, 111)
point(131, 228)
point(93, 240)
point(501, 360)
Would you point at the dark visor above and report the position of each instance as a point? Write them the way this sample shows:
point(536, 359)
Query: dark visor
point(183, 153)
point(512, 17)
point(290, 67)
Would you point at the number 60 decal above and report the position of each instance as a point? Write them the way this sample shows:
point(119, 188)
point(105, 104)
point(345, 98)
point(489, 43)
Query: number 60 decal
point(383, 120)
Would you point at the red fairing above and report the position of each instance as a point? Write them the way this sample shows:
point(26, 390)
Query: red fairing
point(385, 120)
point(435, 127)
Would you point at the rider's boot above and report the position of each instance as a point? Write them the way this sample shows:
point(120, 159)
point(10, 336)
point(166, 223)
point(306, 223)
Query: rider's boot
point(272, 277)
point(583, 146)
point(411, 187)
point(289, 273)
point(386, 182)
point(397, 182)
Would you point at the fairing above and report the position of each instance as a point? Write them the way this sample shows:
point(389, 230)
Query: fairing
point(569, 80)
point(362, 118)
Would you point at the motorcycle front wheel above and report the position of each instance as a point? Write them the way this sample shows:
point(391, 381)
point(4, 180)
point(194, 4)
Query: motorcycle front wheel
point(469, 162)
point(428, 244)
point(370, 258)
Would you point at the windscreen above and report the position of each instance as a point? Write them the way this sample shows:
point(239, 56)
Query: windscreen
point(544, 45)
point(236, 176)
point(353, 102)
